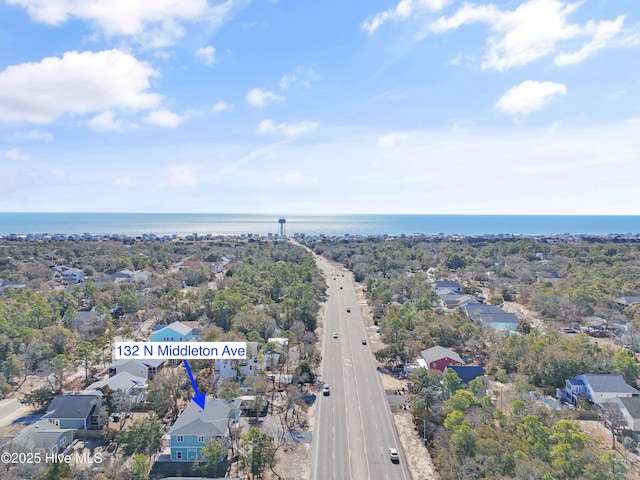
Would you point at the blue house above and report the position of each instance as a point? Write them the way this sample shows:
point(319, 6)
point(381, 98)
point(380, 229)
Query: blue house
point(176, 332)
point(43, 437)
point(597, 389)
point(196, 427)
point(467, 372)
point(75, 411)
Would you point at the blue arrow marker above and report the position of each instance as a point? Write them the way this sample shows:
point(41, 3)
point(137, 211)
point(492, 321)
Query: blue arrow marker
point(200, 397)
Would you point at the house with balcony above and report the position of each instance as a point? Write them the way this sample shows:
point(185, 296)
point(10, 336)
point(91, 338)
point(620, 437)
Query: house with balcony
point(68, 275)
point(596, 389)
point(231, 368)
point(72, 276)
point(146, 368)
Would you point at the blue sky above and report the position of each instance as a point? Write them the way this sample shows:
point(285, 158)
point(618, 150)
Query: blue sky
point(287, 106)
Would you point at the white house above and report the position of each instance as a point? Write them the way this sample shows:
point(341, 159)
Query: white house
point(240, 368)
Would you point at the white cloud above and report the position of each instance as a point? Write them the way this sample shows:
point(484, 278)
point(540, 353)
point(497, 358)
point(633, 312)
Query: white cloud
point(602, 33)
point(123, 182)
point(180, 176)
point(456, 61)
point(533, 30)
point(36, 135)
point(294, 129)
point(297, 178)
point(163, 54)
point(304, 75)
point(221, 107)
point(287, 80)
point(15, 154)
point(403, 10)
point(257, 97)
point(164, 118)
point(520, 36)
point(155, 23)
point(105, 122)
point(529, 96)
point(207, 54)
point(391, 139)
point(78, 83)
point(618, 93)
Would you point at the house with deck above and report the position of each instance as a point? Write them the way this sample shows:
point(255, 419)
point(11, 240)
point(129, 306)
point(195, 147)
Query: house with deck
point(232, 368)
point(629, 408)
point(68, 275)
point(596, 389)
point(147, 368)
point(628, 300)
point(132, 386)
point(75, 411)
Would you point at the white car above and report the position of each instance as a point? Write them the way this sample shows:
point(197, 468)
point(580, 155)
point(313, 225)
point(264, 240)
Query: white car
point(325, 390)
point(393, 455)
point(335, 335)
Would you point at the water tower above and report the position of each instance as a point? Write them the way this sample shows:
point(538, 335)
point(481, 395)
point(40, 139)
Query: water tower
point(282, 230)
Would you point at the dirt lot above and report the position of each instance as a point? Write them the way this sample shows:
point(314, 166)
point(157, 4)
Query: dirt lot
point(294, 462)
point(601, 440)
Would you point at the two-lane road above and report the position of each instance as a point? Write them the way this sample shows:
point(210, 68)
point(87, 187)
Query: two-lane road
point(353, 429)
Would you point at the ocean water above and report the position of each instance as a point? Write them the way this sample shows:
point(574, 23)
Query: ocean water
point(181, 224)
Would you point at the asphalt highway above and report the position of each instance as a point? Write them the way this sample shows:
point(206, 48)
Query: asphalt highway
point(353, 429)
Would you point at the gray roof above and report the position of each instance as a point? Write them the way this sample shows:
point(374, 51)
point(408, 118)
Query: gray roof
point(628, 300)
point(498, 317)
point(447, 284)
point(77, 406)
point(147, 362)
point(436, 353)
point(178, 327)
point(72, 271)
point(632, 405)
point(40, 435)
point(122, 381)
point(609, 383)
point(475, 308)
point(448, 294)
point(455, 299)
point(82, 318)
point(212, 421)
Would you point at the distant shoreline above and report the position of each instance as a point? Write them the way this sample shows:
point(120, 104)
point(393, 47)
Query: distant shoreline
point(182, 225)
point(303, 238)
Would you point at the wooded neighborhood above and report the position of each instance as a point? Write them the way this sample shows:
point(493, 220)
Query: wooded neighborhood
point(493, 392)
